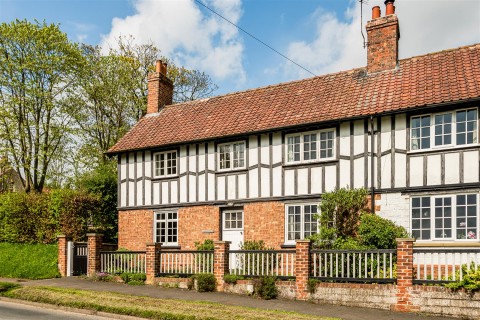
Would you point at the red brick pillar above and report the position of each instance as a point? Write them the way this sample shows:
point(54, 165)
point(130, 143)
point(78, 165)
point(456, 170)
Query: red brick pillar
point(302, 268)
point(152, 263)
point(94, 247)
point(62, 254)
point(221, 262)
point(404, 275)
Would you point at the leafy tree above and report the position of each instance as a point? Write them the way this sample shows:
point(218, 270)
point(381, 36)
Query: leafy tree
point(37, 65)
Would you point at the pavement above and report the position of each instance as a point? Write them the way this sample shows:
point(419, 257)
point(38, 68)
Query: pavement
point(326, 310)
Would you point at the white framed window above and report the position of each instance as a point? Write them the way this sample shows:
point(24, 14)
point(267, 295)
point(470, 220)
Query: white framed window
point(165, 164)
point(231, 156)
point(454, 128)
point(445, 217)
point(233, 220)
point(310, 146)
point(300, 222)
point(166, 227)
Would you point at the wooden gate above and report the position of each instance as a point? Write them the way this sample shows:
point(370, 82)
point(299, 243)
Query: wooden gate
point(80, 255)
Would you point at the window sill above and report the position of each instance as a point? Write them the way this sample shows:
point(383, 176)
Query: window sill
point(309, 163)
point(443, 149)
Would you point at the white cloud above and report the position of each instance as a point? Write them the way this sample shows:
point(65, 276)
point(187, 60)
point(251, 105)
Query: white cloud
point(425, 26)
point(191, 37)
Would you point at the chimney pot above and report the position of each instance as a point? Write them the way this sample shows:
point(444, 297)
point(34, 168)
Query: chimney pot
point(158, 66)
point(390, 8)
point(376, 12)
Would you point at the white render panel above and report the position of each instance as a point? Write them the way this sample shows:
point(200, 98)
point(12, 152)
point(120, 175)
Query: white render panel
point(289, 182)
point(359, 173)
point(231, 187)
point(156, 193)
point(221, 188)
point(183, 159)
point(330, 178)
point(123, 167)
point(192, 188)
point(201, 157)
point(211, 156)
point(139, 194)
point(395, 207)
point(253, 183)
point(401, 131)
point(400, 170)
point(265, 149)
point(148, 164)
point(211, 187)
point(302, 175)
point(183, 189)
point(470, 166)
point(386, 171)
point(452, 165)
point(345, 138)
point(358, 138)
point(434, 169)
point(123, 193)
point(386, 134)
point(416, 171)
point(242, 186)
point(201, 188)
point(174, 191)
point(277, 147)
point(192, 163)
point(139, 166)
point(131, 166)
point(316, 173)
point(265, 183)
point(131, 194)
point(344, 174)
point(164, 186)
point(252, 151)
point(148, 192)
point(277, 181)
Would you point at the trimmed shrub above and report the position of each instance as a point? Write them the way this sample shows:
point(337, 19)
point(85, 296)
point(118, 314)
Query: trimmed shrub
point(232, 278)
point(377, 232)
point(133, 278)
point(265, 288)
point(206, 282)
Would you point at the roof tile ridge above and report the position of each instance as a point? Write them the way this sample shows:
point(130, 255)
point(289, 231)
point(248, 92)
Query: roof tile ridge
point(445, 51)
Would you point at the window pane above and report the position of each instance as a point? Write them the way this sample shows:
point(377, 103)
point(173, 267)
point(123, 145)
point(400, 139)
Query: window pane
point(466, 222)
point(421, 218)
point(293, 148)
point(443, 220)
point(466, 127)
point(420, 132)
point(326, 144)
point(443, 129)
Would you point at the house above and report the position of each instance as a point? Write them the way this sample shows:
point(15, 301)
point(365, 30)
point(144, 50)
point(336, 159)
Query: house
point(253, 165)
point(10, 179)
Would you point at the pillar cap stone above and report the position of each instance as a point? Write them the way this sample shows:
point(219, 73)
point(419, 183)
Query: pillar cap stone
point(94, 235)
point(303, 241)
point(61, 236)
point(405, 239)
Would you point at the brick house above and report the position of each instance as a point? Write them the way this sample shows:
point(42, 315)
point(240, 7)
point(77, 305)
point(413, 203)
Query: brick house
point(253, 165)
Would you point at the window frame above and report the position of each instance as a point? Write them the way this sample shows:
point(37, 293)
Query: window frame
point(155, 154)
point(318, 145)
point(224, 220)
point(166, 220)
point(453, 131)
point(454, 217)
point(231, 153)
point(302, 220)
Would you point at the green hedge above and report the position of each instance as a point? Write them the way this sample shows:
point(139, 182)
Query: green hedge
point(28, 261)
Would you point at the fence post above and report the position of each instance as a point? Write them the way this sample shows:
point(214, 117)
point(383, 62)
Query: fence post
point(302, 268)
point(405, 275)
point(62, 254)
point(221, 262)
point(152, 263)
point(94, 247)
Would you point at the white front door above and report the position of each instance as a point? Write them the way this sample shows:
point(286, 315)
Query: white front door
point(232, 226)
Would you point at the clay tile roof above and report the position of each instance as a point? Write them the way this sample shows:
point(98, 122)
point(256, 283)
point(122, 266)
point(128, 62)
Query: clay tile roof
point(442, 77)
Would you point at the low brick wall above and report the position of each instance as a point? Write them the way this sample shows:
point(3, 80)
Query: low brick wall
point(446, 302)
point(286, 289)
point(377, 296)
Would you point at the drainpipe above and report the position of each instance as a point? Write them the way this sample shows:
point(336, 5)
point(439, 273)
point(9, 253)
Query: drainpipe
point(372, 166)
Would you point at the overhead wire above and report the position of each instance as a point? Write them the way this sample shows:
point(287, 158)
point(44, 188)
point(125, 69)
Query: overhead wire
point(254, 37)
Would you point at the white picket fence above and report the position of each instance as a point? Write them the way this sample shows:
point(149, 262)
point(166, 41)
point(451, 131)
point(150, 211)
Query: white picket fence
point(186, 262)
point(116, 262)
point(279, 263)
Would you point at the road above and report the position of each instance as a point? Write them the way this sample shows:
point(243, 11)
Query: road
point(17, 311)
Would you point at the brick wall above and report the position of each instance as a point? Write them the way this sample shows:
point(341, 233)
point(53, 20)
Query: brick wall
point(160, 92)
point(195, 224)
point(265, 221)
point(135, 229)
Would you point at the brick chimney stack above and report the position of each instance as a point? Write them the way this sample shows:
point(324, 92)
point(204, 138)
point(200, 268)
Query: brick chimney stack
point(160, 88)
point(383, 34)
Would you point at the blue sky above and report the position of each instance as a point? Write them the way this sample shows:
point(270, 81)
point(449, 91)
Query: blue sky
point(322, 35)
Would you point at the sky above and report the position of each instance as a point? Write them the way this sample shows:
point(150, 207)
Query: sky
point(323, 36)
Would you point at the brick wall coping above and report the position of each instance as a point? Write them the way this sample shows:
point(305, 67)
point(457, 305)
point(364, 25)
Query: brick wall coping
point(94, 234)
point(302, 241)
point(61, 236)
point(405, 239)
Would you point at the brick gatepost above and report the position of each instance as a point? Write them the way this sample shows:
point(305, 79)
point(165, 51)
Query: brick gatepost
point(152, 256)
point(94, 247)
point(302, 268)
point(221, 262)
point(62, 254)
point(405, 275)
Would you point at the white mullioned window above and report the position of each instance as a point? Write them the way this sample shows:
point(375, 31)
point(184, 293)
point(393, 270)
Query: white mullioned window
point(231, 156)
point(300, 222)
point(166, 227)
point(445, 217)
point(455, 128)
point(310, 146)
point(165, 164)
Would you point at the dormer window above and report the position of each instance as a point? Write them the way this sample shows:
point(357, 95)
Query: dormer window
point(310, 146)
point(231, 156)
point(165, 163)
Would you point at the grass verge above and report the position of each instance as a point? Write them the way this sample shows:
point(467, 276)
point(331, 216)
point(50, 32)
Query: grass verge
point(28, 261)
point(145, 307)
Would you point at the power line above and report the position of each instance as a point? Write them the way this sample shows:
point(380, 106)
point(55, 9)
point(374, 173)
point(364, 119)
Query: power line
point(251, 35)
